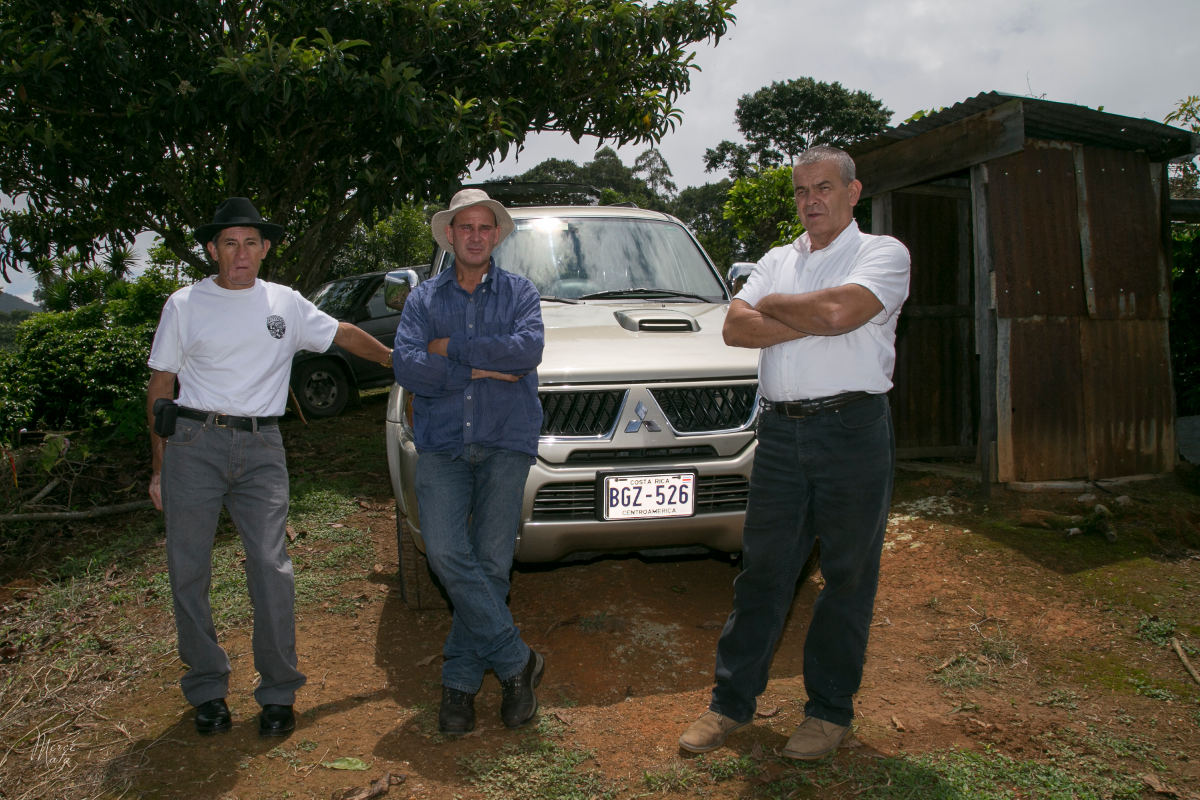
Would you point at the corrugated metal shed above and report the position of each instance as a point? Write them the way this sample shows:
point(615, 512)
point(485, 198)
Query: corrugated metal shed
point(1037, 326)
point(1053, 121)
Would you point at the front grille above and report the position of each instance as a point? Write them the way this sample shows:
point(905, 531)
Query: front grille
point(695, 409)
point(556, 502)
point(642, 454)
point(579, 413)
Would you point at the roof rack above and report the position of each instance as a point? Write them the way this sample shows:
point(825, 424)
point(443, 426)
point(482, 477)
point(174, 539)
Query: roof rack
point(532, 193)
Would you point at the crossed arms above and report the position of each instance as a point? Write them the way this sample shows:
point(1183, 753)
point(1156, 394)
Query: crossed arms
point(782, 318)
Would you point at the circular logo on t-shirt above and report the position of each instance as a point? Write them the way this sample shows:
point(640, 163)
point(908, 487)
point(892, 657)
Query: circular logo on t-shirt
point(276, 326)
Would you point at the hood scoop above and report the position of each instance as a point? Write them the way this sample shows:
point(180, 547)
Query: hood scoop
point(657, 320)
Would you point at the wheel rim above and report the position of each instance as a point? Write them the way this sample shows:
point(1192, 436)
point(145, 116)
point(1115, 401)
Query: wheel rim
point(320, 390)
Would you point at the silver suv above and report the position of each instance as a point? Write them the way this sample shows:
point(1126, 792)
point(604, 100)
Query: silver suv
point(648, 430)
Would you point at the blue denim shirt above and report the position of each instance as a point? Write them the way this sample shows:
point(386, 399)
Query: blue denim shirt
point(496, 327)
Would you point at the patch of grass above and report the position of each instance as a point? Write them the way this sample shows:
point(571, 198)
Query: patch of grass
point(954, 775)
point(316, 586)
point(538, 770)
point(129, 550)
point(728, 768)
point(1126, 746)
point(960, 673)
point(675, 778)
point(1146, 689)
point(314, 508)
point(1000, 649)
point(1156, 630)
point(1061, 698)
point(351, 556)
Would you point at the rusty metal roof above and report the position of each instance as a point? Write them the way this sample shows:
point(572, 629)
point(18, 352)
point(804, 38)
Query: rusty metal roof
point(1046, 119)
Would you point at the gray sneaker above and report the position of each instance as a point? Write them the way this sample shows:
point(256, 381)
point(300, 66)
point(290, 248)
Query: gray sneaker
point(814, 739)
point(708, 732)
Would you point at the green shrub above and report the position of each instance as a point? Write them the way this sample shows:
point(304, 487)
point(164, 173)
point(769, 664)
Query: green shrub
point(85, 369)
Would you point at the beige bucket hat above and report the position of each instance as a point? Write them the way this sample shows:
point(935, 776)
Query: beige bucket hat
point(465, 198)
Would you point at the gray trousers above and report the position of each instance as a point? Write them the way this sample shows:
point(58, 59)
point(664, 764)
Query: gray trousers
point(204, 468)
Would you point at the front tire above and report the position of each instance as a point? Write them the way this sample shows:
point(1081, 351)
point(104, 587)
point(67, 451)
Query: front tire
point(322, 388)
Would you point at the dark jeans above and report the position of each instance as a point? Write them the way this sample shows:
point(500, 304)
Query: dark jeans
point(470, 509)
point(824, 478)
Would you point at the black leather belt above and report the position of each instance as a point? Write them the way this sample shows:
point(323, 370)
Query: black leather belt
point(795, 409)
point(228, 421)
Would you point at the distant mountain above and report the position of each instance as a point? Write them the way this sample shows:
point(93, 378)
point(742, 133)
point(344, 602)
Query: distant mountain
point(13, 303)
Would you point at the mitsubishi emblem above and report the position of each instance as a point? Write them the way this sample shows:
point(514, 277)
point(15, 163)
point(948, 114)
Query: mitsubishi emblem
point(636, 424)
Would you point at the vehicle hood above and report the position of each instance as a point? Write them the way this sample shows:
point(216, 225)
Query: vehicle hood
point(603, 341)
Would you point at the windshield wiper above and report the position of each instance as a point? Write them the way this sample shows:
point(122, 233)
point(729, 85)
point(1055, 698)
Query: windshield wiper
point(553, 298)
point(643, 292)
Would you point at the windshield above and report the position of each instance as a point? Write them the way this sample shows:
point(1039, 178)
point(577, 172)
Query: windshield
point(337, 297)
point(573, 257)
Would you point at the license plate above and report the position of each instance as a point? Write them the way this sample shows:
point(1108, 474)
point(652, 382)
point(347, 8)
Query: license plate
point(670, 494)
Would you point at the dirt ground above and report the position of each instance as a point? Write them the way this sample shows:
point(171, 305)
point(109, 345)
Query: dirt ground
point(629, 644)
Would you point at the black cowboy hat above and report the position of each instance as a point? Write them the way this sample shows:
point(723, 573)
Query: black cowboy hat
point(238, 212)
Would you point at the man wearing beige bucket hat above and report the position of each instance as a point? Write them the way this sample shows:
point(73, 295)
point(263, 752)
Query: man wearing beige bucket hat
point(228, 341)
point(467, 347)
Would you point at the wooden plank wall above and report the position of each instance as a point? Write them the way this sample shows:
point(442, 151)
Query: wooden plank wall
point(1083, 372)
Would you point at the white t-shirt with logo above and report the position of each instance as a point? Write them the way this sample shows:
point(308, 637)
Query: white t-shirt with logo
point(822, 366)
point(232, 348)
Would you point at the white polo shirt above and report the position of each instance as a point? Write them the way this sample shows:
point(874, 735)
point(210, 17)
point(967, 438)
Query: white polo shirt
point(820, 366)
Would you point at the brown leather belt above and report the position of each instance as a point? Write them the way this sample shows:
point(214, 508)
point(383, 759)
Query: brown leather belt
point(796, 409)
point(228, 421)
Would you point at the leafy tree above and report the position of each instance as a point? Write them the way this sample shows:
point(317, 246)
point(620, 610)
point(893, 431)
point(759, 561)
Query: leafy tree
point(762, 210)
point(653, 166)
point(782, 120)
point(701, 208)
point(401, 239)
point(1185, 265)
point(121, 116)
point(69, 281)
point(1185, 177)
point(605, 173)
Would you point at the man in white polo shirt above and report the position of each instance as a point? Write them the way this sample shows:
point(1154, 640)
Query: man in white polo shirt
point(823, 310)
point(228, 341)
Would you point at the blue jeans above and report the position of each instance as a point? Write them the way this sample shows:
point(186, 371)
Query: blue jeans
point(470, 508)
point(205, 468)
point(824, 478)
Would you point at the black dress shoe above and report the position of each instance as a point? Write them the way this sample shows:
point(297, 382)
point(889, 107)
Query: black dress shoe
point(457, 714)
point(276, 720)
point(213, 717)
point(518, 703)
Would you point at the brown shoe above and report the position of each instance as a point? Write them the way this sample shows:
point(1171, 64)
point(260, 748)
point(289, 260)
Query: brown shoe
point(814, 739)
point(708, 732)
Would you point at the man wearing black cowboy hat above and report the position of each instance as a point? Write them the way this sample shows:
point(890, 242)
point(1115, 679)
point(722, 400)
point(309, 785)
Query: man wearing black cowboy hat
point(229, 340)
point(467, 347)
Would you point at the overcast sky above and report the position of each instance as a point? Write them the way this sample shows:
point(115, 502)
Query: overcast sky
point(1138, 59)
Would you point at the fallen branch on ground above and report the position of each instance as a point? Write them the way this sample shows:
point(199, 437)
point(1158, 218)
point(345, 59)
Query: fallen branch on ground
point(91, 513)
point(1183, 657)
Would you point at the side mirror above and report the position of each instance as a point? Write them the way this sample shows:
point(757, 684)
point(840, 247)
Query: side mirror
point(739, 271)
point(397, 284)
